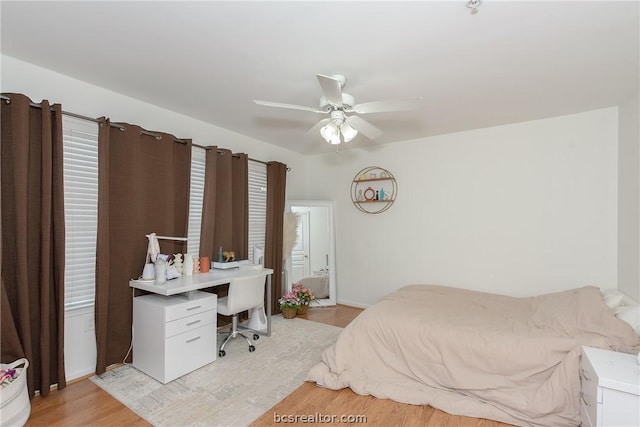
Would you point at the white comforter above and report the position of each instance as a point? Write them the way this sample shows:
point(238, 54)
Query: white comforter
point(469, 353)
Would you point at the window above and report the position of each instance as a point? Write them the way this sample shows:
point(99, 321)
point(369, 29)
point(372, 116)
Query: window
point(196, 194)
point(80, 164)
point(257, 205)
point(80, 157)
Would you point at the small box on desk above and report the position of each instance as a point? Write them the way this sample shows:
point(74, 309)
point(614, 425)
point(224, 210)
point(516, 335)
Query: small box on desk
point(225, 265)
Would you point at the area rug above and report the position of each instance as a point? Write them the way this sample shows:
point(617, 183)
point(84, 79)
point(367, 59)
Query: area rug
point(235, 389)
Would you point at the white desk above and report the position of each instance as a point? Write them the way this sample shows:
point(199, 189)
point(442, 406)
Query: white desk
point(188, 284)
point(179, 320)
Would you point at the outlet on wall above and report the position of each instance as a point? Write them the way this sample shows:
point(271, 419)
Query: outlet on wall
point(89, 324)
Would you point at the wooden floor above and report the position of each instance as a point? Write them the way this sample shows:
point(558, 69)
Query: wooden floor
point(83, 403)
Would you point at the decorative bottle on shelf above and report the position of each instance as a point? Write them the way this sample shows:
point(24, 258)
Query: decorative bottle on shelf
point(381, 194)
point(360, 197)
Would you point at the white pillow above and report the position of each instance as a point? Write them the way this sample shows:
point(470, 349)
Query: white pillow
point(612, 297)
point(631, 315)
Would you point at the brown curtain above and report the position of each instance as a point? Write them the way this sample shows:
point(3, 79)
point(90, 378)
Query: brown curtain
point(225, 206)
point(276, 187)
point(143, 187)
point(33, 240)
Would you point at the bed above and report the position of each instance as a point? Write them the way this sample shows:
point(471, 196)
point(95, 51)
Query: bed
point(514, 360)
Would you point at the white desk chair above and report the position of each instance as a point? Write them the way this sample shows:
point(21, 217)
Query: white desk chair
point(244, 293)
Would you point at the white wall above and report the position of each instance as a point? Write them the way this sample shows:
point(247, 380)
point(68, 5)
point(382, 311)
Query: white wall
point(89, 100)
point(629, 199)
point(520, 209)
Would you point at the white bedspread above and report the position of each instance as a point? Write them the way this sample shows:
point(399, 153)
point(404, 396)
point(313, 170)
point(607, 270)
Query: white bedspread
point(469, 353)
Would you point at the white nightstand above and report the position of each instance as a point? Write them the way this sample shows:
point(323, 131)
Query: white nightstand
point(610, 384)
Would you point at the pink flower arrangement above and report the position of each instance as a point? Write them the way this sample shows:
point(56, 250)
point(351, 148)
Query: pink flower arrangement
point(304, 294)
point(289, 300)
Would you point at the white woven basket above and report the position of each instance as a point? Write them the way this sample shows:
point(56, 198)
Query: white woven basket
point(15, 406)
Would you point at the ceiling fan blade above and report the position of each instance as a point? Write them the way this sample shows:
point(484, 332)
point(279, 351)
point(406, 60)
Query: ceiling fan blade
point(388, 105)
point(290, 106)
point(364, 127)
point(331, 88)
point(315, 130)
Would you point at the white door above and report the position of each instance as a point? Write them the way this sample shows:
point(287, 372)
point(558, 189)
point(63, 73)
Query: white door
point(300, 261)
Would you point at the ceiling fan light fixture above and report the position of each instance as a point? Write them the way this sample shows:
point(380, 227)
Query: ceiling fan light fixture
point(348, 133)
point(337, 104)
point(329, 131)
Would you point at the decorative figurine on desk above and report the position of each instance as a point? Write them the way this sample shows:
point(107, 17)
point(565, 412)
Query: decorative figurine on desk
point(177, 262)
point(229, 256)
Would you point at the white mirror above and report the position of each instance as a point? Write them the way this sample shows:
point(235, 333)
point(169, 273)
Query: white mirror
point(312, 258)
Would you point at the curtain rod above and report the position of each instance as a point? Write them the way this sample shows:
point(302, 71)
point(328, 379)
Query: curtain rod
point(122, 128)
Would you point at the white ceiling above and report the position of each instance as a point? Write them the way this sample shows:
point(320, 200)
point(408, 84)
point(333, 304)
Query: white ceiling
point(512, 61)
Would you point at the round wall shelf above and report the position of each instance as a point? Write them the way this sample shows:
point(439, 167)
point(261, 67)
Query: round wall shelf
point(373, 190)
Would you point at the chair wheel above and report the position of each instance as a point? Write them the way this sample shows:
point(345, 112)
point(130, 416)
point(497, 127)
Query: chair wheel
point(221, 353)
point(252, 349)
point(256, 336)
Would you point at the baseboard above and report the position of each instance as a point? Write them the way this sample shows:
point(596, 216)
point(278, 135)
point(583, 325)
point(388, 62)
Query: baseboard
point(352, 304)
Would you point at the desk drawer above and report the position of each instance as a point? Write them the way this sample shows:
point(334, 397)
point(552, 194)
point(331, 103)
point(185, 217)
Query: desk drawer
point(189, 323)
point(201, 303)
point(189, 351)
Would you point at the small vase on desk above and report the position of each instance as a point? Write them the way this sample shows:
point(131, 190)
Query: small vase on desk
point(187, 265)
point(204, 264)
point(161, 271)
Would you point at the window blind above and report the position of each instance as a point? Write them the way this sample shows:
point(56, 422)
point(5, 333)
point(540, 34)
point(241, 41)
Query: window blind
point(80, 163)
point(257, 205)
point(196, 194)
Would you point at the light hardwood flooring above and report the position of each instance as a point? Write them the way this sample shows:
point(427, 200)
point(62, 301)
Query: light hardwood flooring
point(83, 403)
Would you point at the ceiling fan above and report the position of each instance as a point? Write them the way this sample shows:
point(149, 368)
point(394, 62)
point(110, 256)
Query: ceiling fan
point(343, 123)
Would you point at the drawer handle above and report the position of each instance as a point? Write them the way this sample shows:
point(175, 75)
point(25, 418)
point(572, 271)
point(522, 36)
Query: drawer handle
point(194, 308)
point(583, 399)
point(584, 375)
point(193, 339)
point(193, 323)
